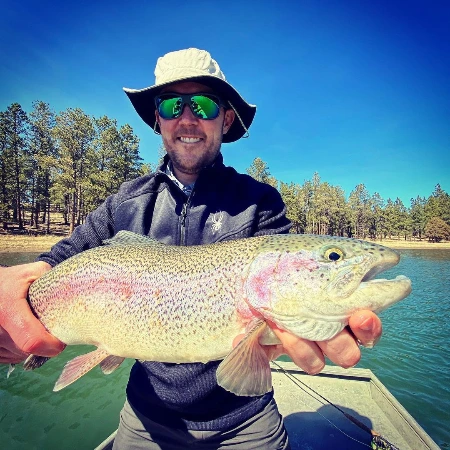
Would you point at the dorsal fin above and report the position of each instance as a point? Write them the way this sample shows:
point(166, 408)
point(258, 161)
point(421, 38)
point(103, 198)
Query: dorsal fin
point(124, 237)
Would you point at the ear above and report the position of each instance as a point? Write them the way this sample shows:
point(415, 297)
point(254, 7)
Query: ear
point(228, 120)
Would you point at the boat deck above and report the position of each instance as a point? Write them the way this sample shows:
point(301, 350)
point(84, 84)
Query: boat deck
point(314, 424)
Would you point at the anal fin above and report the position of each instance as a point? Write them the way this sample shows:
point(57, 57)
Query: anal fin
point(246, 370)
point(111, 363)
point(78, 367)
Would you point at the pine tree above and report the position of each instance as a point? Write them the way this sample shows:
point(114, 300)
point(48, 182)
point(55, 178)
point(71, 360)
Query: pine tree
point(44, 156)
point(17, 143)
point(74, 133)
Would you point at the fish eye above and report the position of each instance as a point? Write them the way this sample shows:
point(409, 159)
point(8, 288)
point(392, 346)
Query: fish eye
point(334, 254)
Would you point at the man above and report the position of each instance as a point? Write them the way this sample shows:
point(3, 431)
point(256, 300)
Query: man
point(191, 199)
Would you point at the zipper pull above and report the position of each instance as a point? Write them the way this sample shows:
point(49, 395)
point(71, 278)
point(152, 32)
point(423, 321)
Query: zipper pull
point(184, 214)
point(185, 207)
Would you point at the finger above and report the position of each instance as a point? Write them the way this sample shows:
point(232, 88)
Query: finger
point(30, 336)
point(23, 333)
point(367, 327)
point(8, 354)
point(10, 360)
point(9, 351)
point(11, 357)
point(27, 333)
point(342, 349)
point(305, 354)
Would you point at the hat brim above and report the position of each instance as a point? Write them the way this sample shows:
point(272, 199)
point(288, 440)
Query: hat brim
point(144, 103)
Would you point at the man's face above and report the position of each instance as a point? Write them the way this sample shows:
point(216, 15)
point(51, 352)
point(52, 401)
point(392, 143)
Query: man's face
point(192, 143)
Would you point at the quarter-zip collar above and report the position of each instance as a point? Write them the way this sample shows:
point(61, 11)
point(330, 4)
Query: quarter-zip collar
point(186, 188)
point(166, 169)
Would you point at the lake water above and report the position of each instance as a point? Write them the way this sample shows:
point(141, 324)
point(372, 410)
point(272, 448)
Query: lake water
point(412, 360)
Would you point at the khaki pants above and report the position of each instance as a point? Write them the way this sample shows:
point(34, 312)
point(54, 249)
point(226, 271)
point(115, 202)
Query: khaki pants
point(264, 431)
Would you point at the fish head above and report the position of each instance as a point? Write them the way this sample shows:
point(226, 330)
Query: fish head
point(310, 285)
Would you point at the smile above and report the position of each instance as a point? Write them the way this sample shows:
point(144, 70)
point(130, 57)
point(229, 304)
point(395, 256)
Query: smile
point(189, 140)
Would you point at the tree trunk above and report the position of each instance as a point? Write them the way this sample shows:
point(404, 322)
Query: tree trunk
point(48, 216)
point(19, 210)
point(73, 215)
point(79, 207)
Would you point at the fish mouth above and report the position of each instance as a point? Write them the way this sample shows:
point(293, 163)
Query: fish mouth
point(398, 278)
point(403, 283)
point(391, 260)
point(382, 293)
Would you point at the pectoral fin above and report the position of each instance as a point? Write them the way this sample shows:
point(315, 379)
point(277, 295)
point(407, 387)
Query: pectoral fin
point(34, 362)
point(246, 370)
point(78, 367)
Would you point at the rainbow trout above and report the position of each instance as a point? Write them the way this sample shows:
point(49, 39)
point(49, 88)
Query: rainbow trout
point(136, 298)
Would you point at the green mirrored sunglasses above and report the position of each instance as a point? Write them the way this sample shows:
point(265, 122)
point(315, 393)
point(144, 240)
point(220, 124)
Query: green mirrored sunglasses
point(203, 106)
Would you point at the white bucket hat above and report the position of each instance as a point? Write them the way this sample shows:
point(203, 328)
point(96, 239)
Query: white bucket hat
point(192, 65)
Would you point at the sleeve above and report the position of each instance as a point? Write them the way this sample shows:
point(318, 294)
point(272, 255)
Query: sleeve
point(272, 214)
point(99, 225)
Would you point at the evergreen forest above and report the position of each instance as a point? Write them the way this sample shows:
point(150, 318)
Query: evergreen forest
point(64, 165)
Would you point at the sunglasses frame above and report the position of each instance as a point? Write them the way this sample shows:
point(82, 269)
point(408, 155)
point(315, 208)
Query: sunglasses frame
point(187, 101)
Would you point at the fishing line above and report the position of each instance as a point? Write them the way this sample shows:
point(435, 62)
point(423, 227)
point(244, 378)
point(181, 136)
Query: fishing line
point(299, 384)
point(378, 441)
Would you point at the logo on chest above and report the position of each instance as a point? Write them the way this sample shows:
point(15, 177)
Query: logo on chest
point(216, 221)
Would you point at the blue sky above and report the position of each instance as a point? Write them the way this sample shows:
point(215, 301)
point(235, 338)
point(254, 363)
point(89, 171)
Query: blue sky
point(358, 91)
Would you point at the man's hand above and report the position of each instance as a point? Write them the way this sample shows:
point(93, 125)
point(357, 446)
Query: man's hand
point(343, 349)
point(21, 333)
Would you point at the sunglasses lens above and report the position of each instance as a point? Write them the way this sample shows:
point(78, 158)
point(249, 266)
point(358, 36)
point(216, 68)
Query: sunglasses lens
point(170, 108)
point(204, 107)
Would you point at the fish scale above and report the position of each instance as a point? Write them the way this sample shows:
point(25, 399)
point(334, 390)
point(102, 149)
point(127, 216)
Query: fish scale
point(137, 298)
point(161, 275)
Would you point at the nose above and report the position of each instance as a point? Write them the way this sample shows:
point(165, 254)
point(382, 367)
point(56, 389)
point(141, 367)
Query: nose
point(187, 115)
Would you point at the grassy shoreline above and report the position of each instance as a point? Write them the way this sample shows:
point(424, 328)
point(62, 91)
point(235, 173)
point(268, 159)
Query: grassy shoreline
point(24, 243)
